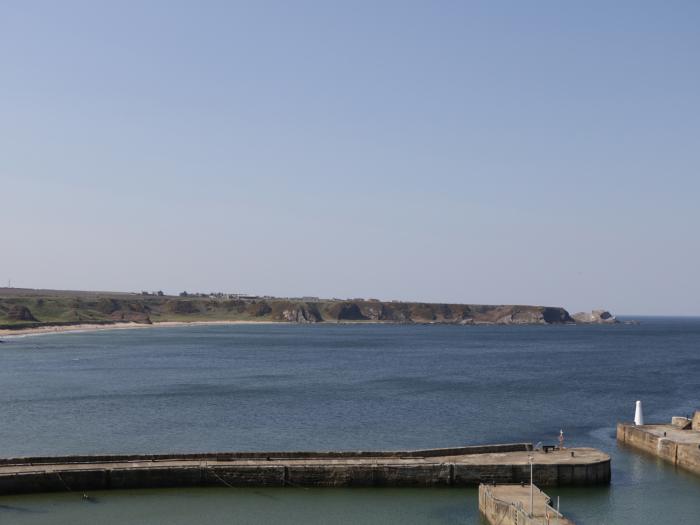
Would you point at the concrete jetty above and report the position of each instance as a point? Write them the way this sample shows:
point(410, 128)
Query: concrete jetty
point(677, 443)
point(458, 466)
point(510, 505)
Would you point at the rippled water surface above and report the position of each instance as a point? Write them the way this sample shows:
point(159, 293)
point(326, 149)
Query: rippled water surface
point(288, 387)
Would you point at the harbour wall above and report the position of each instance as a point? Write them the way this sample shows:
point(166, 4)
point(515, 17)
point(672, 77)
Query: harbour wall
point(462, 466)
point(375, 475)
point(685, 455)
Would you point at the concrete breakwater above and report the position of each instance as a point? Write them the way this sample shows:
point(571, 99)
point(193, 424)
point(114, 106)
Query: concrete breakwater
point(510, 505)
point(459, 466)
point(677, 443)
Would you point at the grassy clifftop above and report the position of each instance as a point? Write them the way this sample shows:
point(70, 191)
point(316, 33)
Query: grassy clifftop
point(23, 308)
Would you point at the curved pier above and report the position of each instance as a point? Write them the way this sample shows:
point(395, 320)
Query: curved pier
point(459, 466)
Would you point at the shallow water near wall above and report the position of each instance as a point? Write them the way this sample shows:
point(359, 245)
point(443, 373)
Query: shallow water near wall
point(249, 506)
point(331, 387)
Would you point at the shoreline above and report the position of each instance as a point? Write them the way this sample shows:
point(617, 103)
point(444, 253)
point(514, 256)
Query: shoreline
point(7, 333)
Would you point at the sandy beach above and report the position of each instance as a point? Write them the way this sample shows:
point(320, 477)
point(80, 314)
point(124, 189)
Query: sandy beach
point(87, 327)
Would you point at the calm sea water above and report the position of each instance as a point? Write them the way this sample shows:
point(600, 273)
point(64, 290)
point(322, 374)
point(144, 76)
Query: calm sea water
point(291, 387)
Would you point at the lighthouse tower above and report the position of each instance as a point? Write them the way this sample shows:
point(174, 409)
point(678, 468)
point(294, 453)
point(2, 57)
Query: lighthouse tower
point(638, 414)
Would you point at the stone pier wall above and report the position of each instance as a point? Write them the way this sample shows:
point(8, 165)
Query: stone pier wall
point(685, 455)
point(544, 475)
point(427, 468)
point(498, 511)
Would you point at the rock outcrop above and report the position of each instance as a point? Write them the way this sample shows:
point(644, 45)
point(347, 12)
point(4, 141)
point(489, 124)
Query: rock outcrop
point(595, 317)
point(292, 311)
point(347, 311)
point(301, 314)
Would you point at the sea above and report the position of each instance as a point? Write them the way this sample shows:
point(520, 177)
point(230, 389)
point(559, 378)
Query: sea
point(322, 387)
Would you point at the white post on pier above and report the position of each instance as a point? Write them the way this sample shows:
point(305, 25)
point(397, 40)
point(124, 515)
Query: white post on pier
point(532, 509)
point(638, 414)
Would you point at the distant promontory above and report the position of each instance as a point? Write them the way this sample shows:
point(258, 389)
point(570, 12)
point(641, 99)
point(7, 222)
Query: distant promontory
point(28, 308)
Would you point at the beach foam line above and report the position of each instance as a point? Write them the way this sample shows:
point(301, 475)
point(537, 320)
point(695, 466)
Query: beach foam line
point(87, 327)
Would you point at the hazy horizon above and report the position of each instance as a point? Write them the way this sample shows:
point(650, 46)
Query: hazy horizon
point(495, 153)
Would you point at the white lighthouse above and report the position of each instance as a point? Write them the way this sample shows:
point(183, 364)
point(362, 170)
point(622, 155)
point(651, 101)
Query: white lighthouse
point(638, 414)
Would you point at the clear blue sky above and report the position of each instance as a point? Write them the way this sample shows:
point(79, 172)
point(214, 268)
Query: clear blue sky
point(492, 152)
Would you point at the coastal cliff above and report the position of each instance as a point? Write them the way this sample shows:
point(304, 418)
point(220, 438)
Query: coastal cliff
point(24, 308)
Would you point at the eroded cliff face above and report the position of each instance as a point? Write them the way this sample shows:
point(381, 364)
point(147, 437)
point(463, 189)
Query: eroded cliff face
point(595, 317)
point(438, 313)
point(299, 313)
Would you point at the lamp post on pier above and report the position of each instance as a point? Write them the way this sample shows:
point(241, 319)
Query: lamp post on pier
point(532, 510)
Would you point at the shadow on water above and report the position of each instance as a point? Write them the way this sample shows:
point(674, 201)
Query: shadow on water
point(13, 508)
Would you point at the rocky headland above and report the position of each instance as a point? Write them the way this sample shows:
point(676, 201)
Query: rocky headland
point(26, 308)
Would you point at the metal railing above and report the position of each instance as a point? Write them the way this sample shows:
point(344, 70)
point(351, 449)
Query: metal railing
point(516, 512)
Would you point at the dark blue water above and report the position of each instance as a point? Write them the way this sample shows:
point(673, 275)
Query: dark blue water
point(287, 387)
